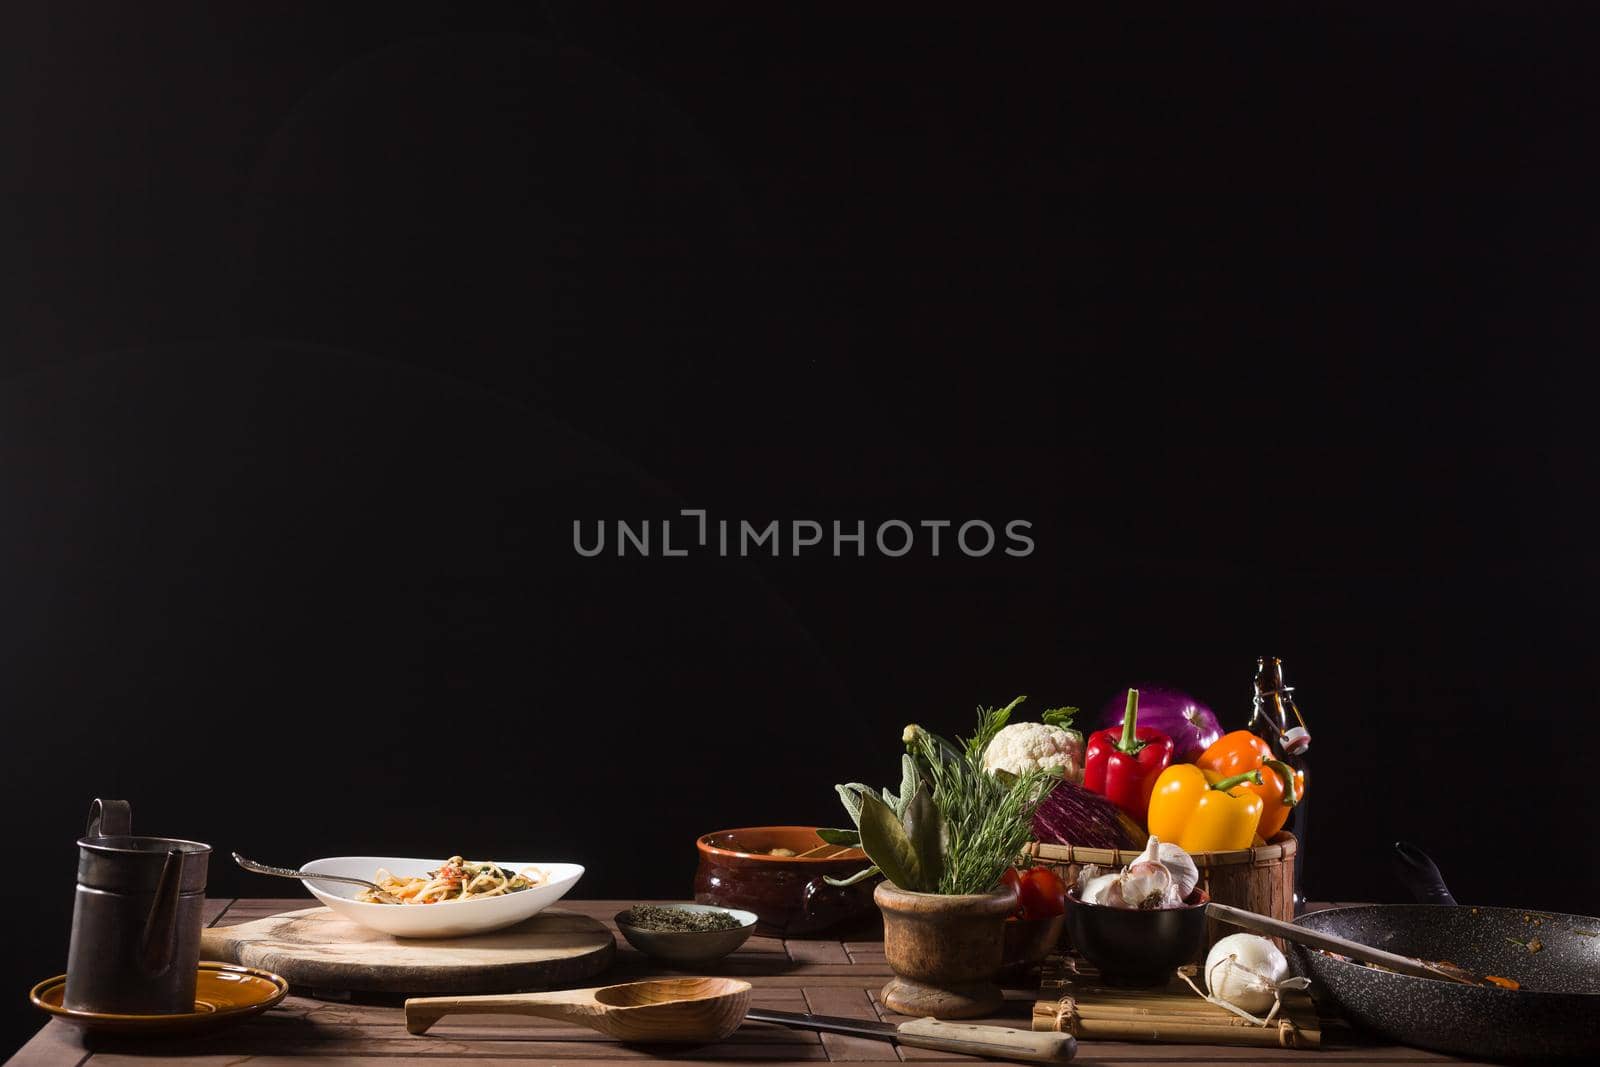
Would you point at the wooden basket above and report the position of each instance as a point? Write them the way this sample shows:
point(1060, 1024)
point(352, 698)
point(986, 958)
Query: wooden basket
point(1257, 879)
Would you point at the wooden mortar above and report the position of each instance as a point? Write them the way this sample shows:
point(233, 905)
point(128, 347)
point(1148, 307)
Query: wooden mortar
point(945, 950)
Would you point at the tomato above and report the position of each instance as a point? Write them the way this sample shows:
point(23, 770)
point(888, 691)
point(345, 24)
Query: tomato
point(1041, 893)
point(1014, 880)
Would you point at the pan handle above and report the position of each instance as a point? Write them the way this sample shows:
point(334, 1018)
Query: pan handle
point(1420, 875)
point(1304, 935)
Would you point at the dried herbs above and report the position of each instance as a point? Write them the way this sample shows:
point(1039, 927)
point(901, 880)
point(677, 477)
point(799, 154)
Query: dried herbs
point(667, 919)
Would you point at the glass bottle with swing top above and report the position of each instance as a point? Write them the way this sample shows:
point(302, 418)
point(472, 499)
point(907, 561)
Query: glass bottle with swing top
point(1276, 720)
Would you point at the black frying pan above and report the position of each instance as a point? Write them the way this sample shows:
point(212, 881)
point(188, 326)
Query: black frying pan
point(1555, 1013)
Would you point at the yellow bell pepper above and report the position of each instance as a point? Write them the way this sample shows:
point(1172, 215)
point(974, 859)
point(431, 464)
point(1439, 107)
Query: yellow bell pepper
point(1202, 811)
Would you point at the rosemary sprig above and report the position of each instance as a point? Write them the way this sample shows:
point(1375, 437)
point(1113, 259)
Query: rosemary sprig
point(953, 828)
point(988, 818)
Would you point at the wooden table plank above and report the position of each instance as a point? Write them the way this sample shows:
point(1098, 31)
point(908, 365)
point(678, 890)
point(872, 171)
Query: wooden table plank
point(868, 953)
point(55, 1045)
point(545, 1053)
point(492, 1058)
point(406, 1049)
point(212, 910)
point(816, 951)
point(850, 1004)
point(826, 977)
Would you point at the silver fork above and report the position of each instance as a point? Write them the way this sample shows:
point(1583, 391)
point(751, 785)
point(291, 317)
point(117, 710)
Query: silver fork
point(284, 872)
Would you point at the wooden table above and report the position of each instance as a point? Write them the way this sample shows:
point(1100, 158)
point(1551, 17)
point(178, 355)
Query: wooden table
point(824, 977)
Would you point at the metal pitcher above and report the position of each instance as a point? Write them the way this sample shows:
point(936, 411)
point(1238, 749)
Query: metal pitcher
point(136, 920)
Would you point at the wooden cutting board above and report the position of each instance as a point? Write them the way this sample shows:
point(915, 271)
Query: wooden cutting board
point(318, 949)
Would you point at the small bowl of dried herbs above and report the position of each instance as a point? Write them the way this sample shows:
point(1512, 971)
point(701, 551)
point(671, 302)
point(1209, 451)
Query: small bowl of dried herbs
point(685, 933)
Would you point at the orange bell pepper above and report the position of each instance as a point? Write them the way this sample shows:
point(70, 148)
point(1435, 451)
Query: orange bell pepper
point(1281, 785)
point(1201, 811)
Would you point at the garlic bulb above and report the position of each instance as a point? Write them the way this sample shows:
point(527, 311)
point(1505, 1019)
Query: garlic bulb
point(1095, 889)
point(1162, 876)
point(1145, 882)
point(1151, 853)
point(1185, 875)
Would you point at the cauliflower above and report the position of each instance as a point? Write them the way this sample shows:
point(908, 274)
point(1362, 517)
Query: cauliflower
point(1027, 746)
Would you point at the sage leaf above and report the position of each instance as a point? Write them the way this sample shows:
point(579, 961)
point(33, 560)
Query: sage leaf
point(851, 796)
point(887, 846)
point(859, 876)
point(839, 837)
point(926, 830)
point(910, 779)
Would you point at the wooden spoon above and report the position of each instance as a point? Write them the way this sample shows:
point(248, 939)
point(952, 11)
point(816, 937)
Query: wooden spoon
point(1301, 935)
point(665, 1009)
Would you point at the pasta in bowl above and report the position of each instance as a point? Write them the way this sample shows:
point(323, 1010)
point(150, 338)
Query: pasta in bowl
point(440, 898)
point(455, 879)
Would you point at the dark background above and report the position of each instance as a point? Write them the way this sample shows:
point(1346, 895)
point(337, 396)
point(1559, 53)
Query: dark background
point(320, 329)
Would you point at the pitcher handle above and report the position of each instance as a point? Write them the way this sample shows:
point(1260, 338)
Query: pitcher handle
point(159, 946)
point(109, 818)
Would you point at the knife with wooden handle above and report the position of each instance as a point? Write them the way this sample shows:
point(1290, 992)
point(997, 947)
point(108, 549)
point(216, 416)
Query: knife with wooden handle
point(995, 1042)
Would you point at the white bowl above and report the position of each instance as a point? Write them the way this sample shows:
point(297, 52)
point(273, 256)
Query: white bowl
point(456, 918)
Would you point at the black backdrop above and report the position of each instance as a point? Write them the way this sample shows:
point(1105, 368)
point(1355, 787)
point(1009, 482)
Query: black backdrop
point(320, 330)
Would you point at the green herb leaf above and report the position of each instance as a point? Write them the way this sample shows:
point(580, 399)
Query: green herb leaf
point(1061, 717)
point(910, 781)
point(926, 747)
point(984, 820)
point(851, 795)
point(859, 876)
point(839, 837)
point(990, 722)
point(888, 846)
point(925, 828)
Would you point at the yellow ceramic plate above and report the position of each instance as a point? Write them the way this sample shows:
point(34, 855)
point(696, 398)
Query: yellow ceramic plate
point(223, 994)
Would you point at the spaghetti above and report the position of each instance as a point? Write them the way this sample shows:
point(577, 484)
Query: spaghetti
point(458, 879)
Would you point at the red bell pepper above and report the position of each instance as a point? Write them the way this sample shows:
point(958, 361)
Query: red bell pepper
point(1123, 765)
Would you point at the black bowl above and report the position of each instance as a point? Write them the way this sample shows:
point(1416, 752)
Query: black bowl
point(1137, 948)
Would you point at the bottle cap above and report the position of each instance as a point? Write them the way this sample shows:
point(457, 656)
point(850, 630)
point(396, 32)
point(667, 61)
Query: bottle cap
point(1296, 740)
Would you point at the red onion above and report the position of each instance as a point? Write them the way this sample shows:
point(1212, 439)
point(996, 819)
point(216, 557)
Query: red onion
point(1189, 723)
point(1071, 815)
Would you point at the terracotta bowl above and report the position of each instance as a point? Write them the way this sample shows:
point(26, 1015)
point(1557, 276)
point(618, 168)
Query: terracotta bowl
point(788, 894)
point(1138, 948)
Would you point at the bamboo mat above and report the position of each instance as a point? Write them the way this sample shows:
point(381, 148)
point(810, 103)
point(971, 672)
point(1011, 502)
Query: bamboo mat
point(1072, 998)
